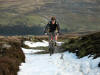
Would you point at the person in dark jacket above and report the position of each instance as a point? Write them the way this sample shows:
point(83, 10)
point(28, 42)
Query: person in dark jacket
point(52, 29)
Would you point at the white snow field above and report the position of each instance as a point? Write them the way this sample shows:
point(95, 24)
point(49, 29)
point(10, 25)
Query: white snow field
point(44, 64)
point(39, 44)
point(36, 44)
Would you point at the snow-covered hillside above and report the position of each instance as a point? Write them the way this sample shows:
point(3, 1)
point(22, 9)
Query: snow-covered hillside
point(58, 64)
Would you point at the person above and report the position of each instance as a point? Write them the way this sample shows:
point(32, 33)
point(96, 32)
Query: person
point(52, 29)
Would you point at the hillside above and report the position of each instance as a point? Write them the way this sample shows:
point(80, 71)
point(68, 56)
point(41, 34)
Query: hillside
point(84, 45)
point(73, 15)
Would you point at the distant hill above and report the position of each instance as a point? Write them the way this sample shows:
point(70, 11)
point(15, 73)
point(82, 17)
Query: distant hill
point(73, 15)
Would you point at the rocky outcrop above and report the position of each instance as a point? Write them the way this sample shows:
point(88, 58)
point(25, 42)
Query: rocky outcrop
point(11, 55)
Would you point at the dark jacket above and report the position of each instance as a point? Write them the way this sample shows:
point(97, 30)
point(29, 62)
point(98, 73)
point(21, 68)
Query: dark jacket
point(52, 27)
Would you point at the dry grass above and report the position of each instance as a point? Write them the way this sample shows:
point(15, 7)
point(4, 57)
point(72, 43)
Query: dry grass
point(11, 55)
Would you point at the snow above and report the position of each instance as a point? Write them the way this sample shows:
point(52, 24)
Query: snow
point(39, 44)
point(44, 64)
point(29, 51)
point(71, 65)
point(36, 44)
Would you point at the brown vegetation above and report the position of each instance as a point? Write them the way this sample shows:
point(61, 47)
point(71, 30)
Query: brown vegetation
point(11, 55)
point(84, 45)
point(60, 37)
